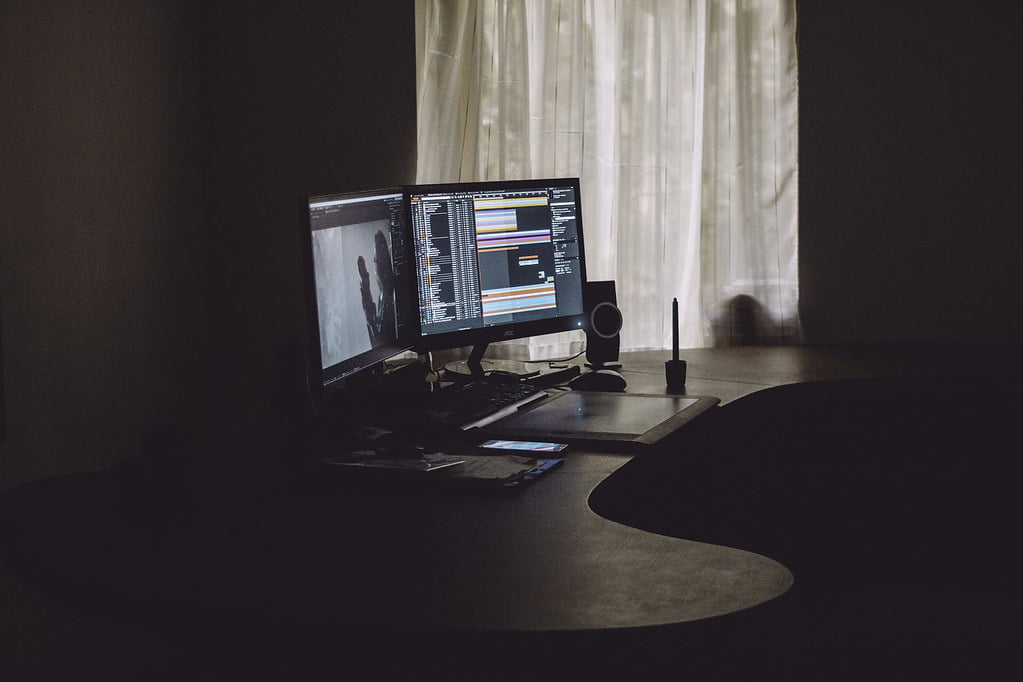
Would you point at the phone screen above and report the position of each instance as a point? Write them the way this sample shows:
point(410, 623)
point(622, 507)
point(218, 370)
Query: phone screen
point(530, 446)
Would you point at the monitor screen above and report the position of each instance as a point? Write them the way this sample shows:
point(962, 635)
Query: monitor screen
point(497, 260)
point(361, 296)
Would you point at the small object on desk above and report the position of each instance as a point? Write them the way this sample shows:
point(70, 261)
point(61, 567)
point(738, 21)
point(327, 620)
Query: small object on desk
point(400, 450)
point(529, 446)
point(600, 379)
point(387, 444)
point(675, 374)
point(675, 369)
point(556, 376)
point(426, 464)
point(495, 468)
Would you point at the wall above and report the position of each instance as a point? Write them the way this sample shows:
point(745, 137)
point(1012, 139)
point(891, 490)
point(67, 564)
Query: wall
point(101, 273)
point(154, 158)
point(909, 153)
point(102, 276)
point(298, 99)
point(153, 155)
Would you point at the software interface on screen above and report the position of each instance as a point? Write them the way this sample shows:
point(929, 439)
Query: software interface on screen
point(363, 298)
point(494, 256)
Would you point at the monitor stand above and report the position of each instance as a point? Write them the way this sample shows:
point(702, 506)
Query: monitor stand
point(476, 367)
point(604, 365)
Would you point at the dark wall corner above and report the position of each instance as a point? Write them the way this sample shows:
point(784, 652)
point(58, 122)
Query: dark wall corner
point(909, 152)
point(298, 99)
point(100, 252)
point(154, 158)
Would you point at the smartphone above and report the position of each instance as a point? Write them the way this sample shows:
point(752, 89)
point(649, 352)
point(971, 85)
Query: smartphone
point(529, 446)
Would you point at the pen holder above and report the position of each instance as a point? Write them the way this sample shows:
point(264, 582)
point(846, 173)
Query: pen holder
point(675, 374)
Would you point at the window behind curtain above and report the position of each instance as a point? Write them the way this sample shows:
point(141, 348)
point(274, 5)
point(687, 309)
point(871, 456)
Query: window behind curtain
point(680, 119)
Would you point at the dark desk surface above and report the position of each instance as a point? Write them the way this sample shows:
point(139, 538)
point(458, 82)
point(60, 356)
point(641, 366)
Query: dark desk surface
point(533, 560)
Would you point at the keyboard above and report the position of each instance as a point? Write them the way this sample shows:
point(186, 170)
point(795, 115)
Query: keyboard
point(475, 403)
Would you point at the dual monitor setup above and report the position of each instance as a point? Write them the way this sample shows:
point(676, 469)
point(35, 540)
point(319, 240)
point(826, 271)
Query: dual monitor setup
point(431, 267)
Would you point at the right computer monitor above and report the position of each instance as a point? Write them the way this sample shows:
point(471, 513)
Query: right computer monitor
point(497, 260)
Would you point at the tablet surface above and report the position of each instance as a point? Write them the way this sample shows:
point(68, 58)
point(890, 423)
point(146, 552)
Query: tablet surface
point(588, 416)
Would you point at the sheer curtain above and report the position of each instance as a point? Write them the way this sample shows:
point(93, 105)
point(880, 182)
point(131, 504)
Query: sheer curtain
point(680, 119)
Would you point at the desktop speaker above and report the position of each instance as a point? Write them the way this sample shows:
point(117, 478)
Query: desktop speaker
point(603, 322)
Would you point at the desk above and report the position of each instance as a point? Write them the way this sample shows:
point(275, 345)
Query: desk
point(220, 553)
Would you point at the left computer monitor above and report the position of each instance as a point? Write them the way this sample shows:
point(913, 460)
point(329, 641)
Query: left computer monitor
point(359, 282)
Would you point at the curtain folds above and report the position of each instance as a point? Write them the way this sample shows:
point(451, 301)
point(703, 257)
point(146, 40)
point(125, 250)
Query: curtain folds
point(680, 119)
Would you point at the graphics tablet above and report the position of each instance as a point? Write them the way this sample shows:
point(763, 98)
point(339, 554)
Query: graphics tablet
point(595, 417)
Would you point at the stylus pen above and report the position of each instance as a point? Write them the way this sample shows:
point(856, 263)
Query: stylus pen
point(674, 329)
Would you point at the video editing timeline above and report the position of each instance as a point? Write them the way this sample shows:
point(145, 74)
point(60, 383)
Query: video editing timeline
point(493, 257)
point(506, 225)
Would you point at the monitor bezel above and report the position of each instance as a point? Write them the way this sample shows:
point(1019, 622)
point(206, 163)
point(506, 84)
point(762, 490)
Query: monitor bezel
point(480, 336)
point(324, 380)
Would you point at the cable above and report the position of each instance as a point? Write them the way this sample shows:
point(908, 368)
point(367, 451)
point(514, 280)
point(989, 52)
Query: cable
point(555, 360)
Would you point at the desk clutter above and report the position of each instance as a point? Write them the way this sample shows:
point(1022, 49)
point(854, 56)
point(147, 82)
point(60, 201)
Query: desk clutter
point(386, 455)
point(502, 406)
point(443, 468)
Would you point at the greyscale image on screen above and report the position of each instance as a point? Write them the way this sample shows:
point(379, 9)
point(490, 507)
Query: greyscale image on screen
point(497, 260)
point(358, 265)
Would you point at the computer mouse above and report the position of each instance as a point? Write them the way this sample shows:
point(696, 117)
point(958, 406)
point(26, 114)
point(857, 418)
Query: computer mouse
point(598, 380)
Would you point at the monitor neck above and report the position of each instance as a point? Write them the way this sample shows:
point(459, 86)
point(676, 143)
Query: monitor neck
point(475, 359)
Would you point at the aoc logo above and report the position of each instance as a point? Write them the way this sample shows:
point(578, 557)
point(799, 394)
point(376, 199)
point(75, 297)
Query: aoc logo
point(510, 333)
